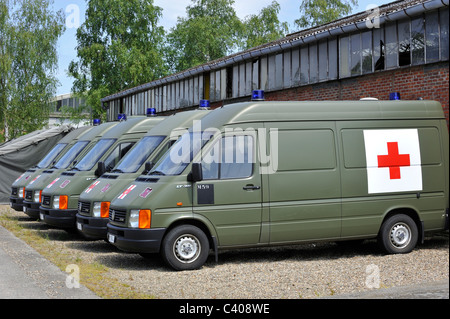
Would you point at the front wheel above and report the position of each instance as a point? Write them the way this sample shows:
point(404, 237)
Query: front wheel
point(398, 234)
point(185, 248)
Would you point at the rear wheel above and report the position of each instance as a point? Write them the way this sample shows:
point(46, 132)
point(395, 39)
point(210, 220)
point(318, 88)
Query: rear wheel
point(398, 234)
point(185, 247)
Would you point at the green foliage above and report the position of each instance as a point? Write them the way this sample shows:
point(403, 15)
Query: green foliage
point(317, 12)
point(28, 61)
point(210, 31)
point(119, 47)
point(264, 27)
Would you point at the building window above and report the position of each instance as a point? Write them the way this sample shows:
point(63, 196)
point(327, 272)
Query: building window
point(444, 34)
point(391, 46)
point(304, 65)
point(323, 60)
point(332, 59)
point(432, 36)
point(378, 49)
point(417, 41)
point(344, 55)
point(313, 64)
point(229, 82)
point(404, 46)
point(355, 54)
point(366, 38)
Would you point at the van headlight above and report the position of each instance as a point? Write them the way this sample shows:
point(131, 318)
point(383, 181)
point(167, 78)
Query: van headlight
point(134, 218)
point(37, 196)
point(101, 209)
point(96, 209)
point(56, 202)
point(60, 202)
point(140, 218)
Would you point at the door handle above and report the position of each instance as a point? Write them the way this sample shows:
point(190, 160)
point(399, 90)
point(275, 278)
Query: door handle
point(250, 187)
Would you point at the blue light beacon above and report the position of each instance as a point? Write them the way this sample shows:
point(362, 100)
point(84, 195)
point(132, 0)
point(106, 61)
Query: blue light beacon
point(258, 95)
point(151, 112)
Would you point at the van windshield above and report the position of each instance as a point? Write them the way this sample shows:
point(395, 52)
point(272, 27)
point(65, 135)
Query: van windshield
point(68, 158)
point(136, 157)
point(94, 155)
point(47, 160)
point(181, 153)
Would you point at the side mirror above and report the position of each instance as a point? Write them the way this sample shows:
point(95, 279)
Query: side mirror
point(196, 173)
point(148, 167)
point(101, 169)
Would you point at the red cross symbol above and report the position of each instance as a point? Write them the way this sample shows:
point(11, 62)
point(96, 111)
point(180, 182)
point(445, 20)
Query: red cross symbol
point(393, 160)
point(127, 191)
point(92, 187)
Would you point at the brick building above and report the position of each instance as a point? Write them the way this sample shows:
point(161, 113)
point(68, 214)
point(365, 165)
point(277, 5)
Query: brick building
point(400, 47)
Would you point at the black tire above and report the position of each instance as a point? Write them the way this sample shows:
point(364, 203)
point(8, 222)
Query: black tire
point(398, 234)
point(185, 247)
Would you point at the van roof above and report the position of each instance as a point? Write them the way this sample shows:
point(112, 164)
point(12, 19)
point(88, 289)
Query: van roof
point(132, 125)
point(181, 120)
point(97, 131)
point(75, 134)
point(322, 111)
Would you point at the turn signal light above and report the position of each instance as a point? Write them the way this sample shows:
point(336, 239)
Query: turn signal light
point(63, 202)
point(104, 209)
point(145, 218)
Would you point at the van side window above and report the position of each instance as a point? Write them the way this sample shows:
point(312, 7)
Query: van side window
point(230, 157)
point(117, 154)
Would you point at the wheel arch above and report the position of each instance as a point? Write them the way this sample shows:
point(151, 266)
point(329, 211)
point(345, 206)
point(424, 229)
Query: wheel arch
point(198, 223)
point(412, 213)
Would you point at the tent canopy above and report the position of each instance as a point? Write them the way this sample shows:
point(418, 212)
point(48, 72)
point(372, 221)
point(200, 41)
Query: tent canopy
point(20, 154)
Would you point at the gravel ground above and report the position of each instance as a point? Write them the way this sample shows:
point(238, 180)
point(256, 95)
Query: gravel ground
point(291, 272)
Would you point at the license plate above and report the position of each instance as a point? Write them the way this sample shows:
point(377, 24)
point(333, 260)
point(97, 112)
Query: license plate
point(41, 216)
point(24, 209)
point(111, 238)
point(79, 226)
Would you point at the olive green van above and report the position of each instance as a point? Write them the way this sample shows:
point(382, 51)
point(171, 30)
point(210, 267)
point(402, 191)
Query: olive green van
point(94, 201)
point(33, 190)
point(61, 148)
point(275, 173)
point(60, 198)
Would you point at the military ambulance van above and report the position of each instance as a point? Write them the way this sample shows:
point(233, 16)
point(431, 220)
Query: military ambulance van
point(61, 148)
point(33, 190)
point(94, 201)
point(276, 173)
point(60, 198)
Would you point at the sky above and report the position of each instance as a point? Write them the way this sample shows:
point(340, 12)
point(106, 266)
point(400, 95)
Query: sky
point(75, 10)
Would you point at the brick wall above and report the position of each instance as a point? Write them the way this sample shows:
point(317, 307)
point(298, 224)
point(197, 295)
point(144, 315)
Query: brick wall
point(430, 82)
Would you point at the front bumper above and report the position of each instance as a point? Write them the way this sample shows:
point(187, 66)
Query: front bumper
point(31, 209)
point(59, 218)
point(92, 226)
point(16, 203)
point(136, 240)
